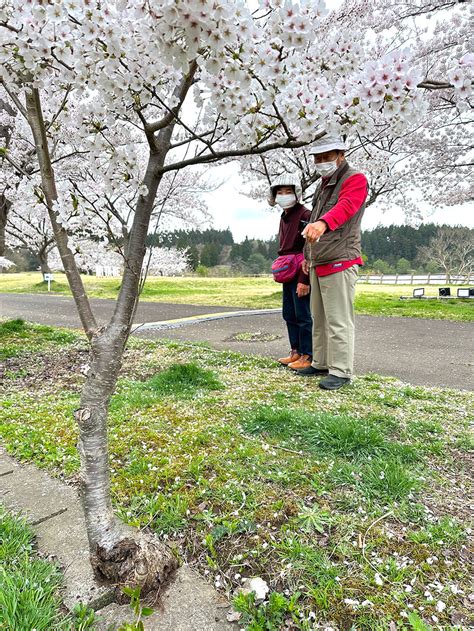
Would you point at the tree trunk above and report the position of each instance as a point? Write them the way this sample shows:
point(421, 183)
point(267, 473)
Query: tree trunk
point(119, 554)
point(43, 261)
point(4, 206)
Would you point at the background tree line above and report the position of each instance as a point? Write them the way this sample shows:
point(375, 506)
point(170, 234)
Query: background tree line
point(395, 249)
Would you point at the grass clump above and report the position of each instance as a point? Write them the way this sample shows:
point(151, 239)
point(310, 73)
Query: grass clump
point(184, 380)
point(447, 531)
point(164, 514)
point(366, 458)
point(267, 616)
point(18, 337)
point(323, 433)
point(29, 587)
point(181, 381)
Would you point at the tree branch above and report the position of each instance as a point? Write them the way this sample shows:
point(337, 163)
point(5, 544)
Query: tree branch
point(38, 128)
point(181, 94)
point(236, 153)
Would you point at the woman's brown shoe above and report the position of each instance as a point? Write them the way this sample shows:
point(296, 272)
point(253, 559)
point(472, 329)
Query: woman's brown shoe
point(293, 356)
point(303, 362)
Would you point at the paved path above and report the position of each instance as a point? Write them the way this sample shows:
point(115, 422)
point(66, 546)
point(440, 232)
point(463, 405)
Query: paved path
point(54, 511)
point(421, 352)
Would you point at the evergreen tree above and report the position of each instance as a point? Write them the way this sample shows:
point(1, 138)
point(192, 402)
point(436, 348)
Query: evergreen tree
point(273, 247)
point(193, 257)
point(403, 266)
point(210, 255)
point(257, 264)
point(246, 249)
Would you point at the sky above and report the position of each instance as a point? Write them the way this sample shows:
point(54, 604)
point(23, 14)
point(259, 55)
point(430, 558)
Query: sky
point(230, 208)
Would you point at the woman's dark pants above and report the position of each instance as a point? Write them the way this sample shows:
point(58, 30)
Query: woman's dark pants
point(297, 315)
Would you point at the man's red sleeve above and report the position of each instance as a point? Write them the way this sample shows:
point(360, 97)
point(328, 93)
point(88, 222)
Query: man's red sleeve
point(353, 194)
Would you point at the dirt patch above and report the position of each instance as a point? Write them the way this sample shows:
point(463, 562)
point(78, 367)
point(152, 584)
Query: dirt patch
point(64, 368)
point(253, 336)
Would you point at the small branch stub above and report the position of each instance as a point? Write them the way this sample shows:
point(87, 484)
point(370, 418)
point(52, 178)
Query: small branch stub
point(82, 414)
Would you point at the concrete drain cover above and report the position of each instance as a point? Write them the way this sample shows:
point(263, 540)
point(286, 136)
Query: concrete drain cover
point(253, 336)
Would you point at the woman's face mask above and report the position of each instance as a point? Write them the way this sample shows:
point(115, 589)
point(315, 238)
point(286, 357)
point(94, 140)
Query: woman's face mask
point(286, 201)
point(326, 168)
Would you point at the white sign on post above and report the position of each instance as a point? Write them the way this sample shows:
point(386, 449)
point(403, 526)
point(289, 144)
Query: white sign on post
point(49, 278)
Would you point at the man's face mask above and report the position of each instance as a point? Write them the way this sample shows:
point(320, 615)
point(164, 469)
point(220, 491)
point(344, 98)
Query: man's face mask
point(285, 201)
point(326, 168)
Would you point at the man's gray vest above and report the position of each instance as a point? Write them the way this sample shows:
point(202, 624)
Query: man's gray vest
point(342, 244)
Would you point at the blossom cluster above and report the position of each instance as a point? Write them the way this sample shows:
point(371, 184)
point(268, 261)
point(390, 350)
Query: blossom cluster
point(284, 73)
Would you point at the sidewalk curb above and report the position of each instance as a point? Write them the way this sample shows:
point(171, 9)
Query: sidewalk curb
point(162, 325)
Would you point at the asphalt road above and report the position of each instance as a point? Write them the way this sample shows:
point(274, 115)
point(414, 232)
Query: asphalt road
point(420, 352)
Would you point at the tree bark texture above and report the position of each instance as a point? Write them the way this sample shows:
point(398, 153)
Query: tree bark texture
point(4, 206)
point(36, 122)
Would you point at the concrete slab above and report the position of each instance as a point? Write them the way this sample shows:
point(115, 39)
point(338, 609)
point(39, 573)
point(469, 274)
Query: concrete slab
point(7, 467)
point(54, 510)
point(32, 491)
point(189, 604)
point(64, 538)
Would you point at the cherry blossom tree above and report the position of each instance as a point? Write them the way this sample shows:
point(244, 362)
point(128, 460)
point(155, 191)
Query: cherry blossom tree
point(166, 261)
point(91, 254)
point(7, 114)
point(195, 83)
point(27, 224)
point(30, 229)
point(5, 263)
point(88, 254)
point(429, 167)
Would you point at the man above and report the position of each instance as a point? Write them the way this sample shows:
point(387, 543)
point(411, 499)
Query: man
point(332, 257)
point(286, 192)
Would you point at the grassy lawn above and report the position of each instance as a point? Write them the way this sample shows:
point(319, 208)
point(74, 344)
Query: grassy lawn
point(249, 292)
point(353, 506)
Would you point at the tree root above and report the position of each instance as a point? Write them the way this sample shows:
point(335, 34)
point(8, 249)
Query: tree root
point(138, 560)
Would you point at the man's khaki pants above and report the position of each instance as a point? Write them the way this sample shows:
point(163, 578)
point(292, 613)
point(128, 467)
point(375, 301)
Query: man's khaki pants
point(332, 308)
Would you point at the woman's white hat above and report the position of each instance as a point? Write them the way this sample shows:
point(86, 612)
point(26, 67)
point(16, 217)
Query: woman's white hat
point(287, 179)
point(327, 143)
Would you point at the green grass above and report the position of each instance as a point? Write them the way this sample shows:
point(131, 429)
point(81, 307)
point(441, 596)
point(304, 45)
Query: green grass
point(18, 337)
point(29, 586)
point(334, 499)
point(254, 293)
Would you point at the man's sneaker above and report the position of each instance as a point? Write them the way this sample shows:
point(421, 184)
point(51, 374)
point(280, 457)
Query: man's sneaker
point(300, 364)
point(331, 382)
point(293, 356)
point(311, 371)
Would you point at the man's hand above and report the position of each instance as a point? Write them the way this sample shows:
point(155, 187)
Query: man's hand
point(302, 290)
point(314, 231)
point(305, 266)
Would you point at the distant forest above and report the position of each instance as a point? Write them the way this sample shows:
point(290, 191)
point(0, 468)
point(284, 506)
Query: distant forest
point(386, 249)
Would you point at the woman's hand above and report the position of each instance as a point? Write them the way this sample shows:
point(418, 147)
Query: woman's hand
point(302, 290)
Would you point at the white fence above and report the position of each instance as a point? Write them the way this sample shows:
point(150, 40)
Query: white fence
point(415, 279)
point(106, 270)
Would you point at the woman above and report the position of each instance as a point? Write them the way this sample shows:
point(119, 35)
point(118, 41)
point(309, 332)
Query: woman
point(286, 192)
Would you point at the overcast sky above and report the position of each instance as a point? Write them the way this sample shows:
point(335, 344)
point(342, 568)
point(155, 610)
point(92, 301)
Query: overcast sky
point(246, 217)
